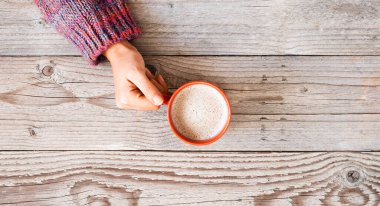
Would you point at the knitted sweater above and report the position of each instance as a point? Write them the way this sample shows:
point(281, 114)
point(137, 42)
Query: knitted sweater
point(91, 25)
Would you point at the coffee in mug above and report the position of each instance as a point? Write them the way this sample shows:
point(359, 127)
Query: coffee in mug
point(199, 113)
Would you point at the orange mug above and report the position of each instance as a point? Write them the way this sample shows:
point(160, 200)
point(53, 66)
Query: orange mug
point(169, 101)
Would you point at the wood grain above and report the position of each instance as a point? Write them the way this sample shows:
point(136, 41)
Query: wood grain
point(279, 104)
point(223, 27)
point(167, 178)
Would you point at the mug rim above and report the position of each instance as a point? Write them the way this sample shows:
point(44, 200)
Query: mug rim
point(199, 142)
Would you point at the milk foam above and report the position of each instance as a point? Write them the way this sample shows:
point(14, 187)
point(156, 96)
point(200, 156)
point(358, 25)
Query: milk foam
point(199, 112)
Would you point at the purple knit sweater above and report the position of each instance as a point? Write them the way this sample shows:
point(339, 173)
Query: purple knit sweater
point(91, 25)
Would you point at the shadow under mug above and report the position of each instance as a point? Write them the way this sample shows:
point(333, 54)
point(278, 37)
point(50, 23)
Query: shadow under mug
point(169, 99)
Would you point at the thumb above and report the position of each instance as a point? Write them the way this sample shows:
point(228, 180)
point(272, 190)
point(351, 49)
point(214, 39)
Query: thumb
point(150, 91)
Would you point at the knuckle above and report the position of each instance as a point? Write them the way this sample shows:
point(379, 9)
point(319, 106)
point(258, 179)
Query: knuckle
point(119, 105)
point(122, 103)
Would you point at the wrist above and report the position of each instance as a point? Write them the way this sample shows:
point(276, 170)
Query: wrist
point(118, 50)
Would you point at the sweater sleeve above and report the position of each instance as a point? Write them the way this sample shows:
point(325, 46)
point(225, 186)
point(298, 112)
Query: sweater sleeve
point(91, 25)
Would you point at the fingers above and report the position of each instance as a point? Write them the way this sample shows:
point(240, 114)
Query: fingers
point(140, 90)
point(149, 74)
point(140, 102)
point(162, 82)
point(148, 88)
point(128, 96)
point(158, 85)
point(158, 81)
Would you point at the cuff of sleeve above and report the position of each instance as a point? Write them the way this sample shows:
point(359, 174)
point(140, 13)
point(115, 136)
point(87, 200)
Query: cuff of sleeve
point(108, 24)
point(95, 56)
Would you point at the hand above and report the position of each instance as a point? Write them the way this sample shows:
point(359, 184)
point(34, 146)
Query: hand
point(135, 87)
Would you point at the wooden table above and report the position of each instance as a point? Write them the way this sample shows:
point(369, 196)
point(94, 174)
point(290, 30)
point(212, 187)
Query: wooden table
point(303, 77)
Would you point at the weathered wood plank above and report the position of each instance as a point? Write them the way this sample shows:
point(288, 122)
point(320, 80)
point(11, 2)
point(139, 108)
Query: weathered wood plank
point(181, 27)
point(278, 103)
point(164, 178)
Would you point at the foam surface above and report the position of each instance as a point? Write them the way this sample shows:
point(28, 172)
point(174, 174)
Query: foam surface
point(199, 112)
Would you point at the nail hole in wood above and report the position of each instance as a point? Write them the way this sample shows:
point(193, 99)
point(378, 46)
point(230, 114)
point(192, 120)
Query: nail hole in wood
point(304, 90)
point(32, 133)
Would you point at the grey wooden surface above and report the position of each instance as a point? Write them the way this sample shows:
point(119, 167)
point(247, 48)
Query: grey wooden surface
point(302, 76)
point(185, 178)
point(278, 103)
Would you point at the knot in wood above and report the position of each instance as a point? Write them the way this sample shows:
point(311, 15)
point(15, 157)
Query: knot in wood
point(48, 70)
point(353, 176)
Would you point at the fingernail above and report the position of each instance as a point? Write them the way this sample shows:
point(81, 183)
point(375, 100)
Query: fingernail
point(157, 100)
